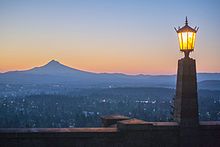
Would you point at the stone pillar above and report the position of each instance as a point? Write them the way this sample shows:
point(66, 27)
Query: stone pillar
point(186, 103)
point(186, 99)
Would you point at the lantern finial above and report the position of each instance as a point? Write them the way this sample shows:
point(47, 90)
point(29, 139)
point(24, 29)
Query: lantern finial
point(186, 22)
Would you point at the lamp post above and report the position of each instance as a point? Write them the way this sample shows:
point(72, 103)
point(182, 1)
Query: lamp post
point(186, 98)
point(185, 102)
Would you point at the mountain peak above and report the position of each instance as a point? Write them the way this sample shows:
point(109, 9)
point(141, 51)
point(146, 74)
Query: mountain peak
point(55, 68)
point(53, 62)
point(55, 65)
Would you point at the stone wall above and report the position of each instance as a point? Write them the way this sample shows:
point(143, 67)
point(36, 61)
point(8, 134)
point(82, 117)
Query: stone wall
point(131, 134)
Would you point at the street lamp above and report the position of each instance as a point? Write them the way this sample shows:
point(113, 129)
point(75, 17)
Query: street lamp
point(186, 36)
point(186, 97)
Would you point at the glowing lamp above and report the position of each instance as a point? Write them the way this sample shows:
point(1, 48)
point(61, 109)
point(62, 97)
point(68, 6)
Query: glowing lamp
point(186, 36)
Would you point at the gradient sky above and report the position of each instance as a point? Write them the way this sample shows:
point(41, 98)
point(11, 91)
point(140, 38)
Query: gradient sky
point(128, 36)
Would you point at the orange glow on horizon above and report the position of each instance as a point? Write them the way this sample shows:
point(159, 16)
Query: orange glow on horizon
point(131, 69)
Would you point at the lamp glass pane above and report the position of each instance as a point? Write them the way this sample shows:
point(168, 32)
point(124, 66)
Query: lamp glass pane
point(184, 41)
point(194, 38)
point(190, 40)
point(180, 40)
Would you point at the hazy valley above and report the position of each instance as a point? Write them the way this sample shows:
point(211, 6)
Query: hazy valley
point(55, 95)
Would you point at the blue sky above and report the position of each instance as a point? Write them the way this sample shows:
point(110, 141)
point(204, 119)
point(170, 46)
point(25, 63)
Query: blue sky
point(129, 36)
